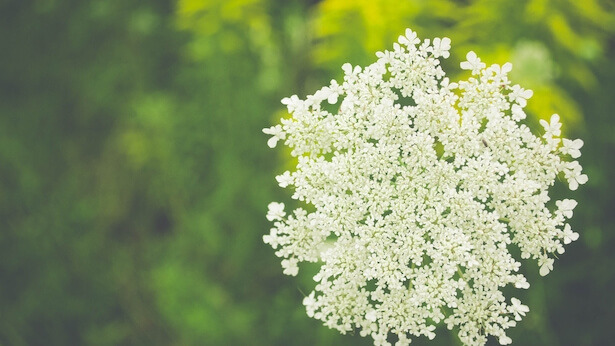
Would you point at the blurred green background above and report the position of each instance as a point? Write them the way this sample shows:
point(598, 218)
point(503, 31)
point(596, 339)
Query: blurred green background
point(134, 176)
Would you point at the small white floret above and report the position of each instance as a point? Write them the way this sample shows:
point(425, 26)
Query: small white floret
point(569, 235)
point(473, 63)
point(275, 211)
point(553, 127)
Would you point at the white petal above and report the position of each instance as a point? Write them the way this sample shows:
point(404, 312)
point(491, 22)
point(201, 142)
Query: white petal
point(505, 340)
point(507, 67)
point(272, 142)
point(544, 270)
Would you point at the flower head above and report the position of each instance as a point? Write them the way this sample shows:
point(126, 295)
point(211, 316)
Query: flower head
point(417, 188)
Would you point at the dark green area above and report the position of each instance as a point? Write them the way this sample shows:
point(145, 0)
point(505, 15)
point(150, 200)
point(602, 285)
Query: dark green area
point(134, 180)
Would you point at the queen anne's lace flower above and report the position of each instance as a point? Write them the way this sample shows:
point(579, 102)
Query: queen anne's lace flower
point(417, 189)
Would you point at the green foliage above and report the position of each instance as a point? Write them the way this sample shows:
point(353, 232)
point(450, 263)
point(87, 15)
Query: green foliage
point(134, 177)
point(527, 33)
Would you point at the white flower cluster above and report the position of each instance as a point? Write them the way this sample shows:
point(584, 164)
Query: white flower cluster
point(418, 189)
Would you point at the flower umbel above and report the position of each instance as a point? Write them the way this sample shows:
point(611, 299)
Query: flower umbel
point(419, 187)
